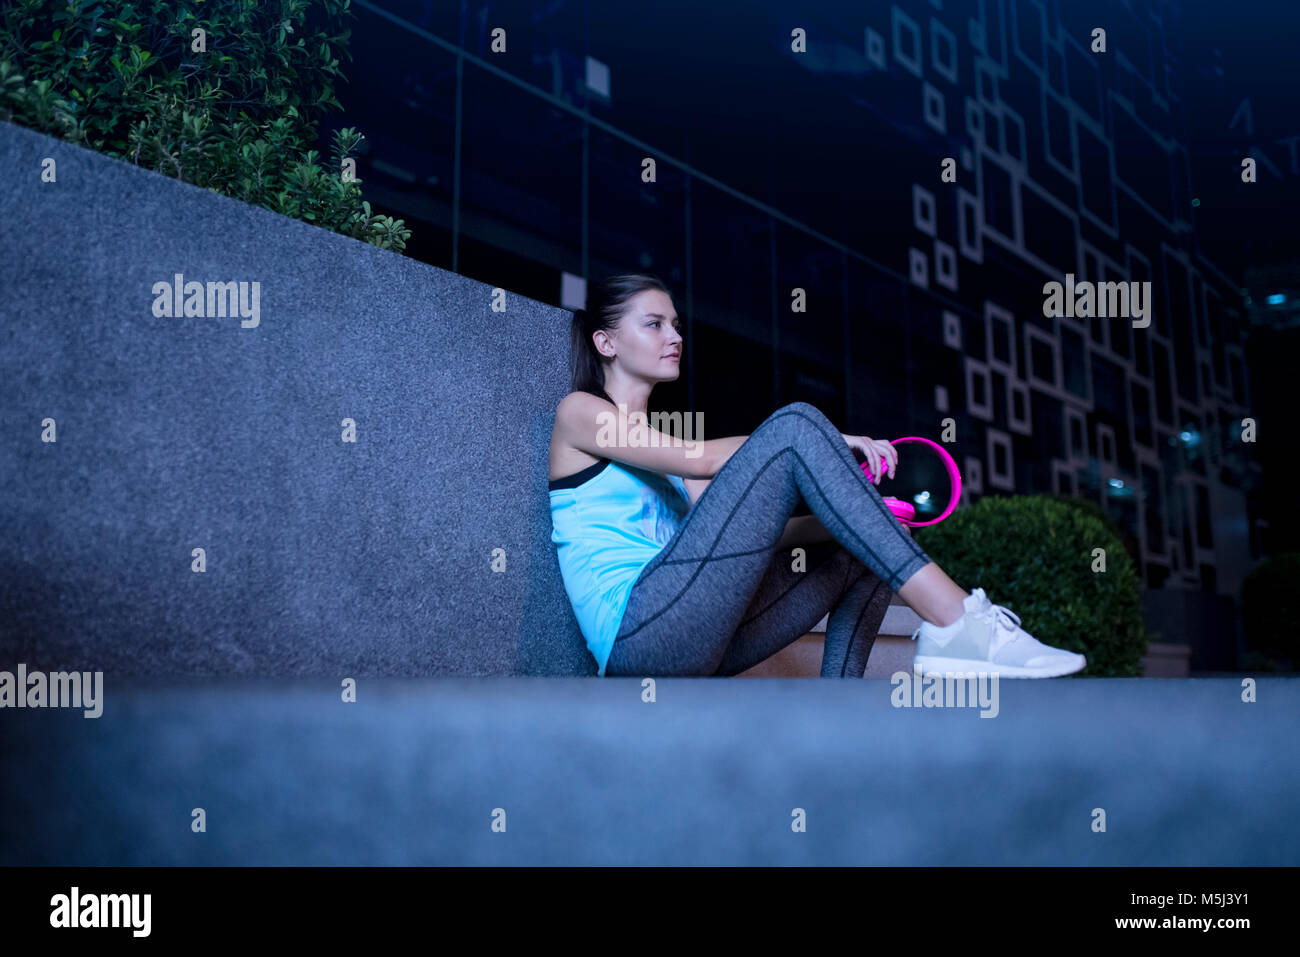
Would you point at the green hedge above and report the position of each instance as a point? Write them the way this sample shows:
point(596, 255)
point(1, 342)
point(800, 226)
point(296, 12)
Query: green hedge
point(1034, 555)
point(238, 117)
point(1270, 607)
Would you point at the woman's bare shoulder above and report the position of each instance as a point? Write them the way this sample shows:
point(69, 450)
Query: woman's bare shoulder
point(579, 403)
point(565, 458)
point(580, 397)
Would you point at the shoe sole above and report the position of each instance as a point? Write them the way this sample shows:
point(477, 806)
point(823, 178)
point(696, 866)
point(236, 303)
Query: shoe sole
point(930, 664)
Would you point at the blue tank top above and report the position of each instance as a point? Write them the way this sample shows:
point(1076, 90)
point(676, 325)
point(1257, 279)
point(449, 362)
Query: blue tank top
point(609, 521)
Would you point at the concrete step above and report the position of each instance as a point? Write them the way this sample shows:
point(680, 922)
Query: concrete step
point(592, 774)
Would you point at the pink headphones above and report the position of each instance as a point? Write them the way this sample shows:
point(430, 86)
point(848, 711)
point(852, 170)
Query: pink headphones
point(904, 511)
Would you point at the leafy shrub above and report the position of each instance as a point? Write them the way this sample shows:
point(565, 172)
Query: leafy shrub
point(130, 80)
point(1034, 555)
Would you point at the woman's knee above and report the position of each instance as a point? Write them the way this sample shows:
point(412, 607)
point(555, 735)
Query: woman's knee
point(802, 408)
point(795, 418)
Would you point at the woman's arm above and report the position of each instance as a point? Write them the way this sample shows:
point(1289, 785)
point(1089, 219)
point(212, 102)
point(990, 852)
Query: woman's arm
point(695, 488)
point(592, 425)
point(723, 449)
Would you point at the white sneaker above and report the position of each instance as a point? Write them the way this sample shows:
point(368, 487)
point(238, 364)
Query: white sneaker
point(988, 638)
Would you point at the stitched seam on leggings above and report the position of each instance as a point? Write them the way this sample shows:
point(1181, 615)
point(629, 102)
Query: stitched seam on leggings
point(803, 577)
point(687, 561)
point(835, 445)
point(701, 562)
point(853, 636)
point(740, 501)
point(898, 580)
point(662, 559)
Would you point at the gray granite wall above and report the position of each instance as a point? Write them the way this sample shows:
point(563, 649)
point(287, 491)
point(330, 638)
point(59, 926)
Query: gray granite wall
point(182, 432)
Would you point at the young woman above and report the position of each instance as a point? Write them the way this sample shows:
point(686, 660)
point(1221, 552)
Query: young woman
point(678, 556)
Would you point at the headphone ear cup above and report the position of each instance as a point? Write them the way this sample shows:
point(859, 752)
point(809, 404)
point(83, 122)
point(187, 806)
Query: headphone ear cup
point(933, 467)
point(931, 470)
point(903, 511)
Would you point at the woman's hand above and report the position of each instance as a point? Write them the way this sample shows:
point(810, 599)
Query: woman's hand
point(876, 452)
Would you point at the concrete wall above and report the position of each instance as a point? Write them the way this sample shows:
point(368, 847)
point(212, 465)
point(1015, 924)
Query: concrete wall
point(323, 557)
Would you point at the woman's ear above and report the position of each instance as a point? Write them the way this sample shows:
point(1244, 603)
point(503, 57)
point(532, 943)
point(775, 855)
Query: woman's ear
point(602, 342)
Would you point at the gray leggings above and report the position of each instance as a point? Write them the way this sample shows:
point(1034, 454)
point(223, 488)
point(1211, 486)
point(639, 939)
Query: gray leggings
point(720, 597)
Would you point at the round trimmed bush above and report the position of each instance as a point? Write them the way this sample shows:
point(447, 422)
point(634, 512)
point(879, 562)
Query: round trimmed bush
point(1035, 555)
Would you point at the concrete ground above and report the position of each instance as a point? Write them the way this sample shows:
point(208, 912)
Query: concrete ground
point(711, 772)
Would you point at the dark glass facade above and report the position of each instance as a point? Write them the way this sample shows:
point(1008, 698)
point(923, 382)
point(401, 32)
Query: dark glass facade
point(814, 181)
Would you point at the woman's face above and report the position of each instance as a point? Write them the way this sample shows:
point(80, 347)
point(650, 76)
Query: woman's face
point(647, 342)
